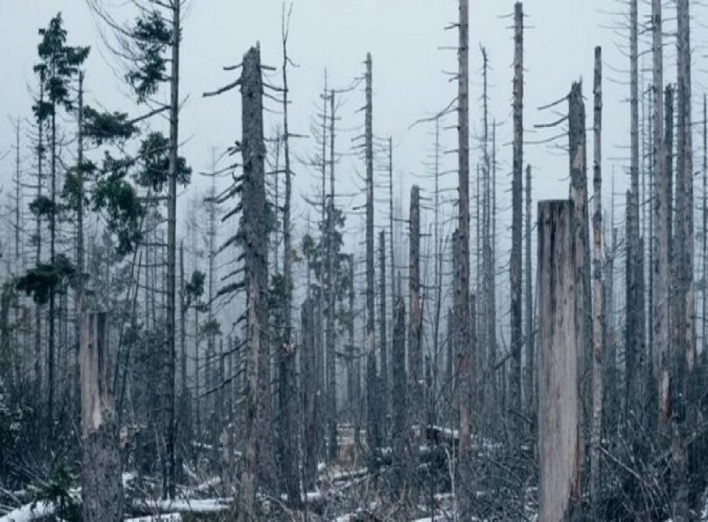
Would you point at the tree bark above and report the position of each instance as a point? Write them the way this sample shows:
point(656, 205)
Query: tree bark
point(256, 273)
point(598, 312)
point(662, 280)
point(560, 340)
point(288, 384)
point(372, 410)
point(531, 399)
point(385, 391)
point(515, 265)
point(415, 353)
point(579, 196)
point(462, 276)
point(400, 398)
point(101, 477)
point(168, 477)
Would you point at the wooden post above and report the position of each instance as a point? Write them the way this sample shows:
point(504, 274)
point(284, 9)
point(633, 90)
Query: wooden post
point(101, 477)
point(560, 342)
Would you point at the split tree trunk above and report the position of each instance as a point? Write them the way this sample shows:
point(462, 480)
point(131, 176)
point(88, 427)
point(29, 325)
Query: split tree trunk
point(101, 478)
point(560, 341)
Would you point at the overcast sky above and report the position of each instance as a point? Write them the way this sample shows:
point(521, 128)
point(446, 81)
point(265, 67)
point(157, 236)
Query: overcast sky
point(406, 39)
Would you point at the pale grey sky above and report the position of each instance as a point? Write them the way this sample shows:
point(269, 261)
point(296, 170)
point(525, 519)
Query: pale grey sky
point(405, 38)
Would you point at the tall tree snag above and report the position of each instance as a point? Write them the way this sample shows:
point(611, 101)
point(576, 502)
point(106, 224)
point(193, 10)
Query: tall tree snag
point(597, 304)
point(462, 275)
point(661, 209)
point(517, 217)
point(579, 196)
point(560, 340)
point(372, 410)
point(254, 237)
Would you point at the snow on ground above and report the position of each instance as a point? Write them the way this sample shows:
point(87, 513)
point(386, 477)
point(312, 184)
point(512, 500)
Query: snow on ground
point(170, 517)
point(209, 505)
point(29, 512)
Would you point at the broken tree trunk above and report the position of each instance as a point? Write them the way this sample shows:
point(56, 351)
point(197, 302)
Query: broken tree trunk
point(560, 340)
point(579, 196)
point(101, 477)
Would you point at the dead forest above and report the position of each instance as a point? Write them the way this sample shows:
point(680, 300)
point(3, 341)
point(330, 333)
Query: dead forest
point(258, 340)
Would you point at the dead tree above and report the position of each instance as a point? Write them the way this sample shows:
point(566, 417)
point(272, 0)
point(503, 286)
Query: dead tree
point(101, 477)
point(288, 385)
point(579, 196)
point(309, 392)
point(685, 355)
point(399, 396)
point(517, 223)
point(704, 323)
point(415, 354)
point(662, 280)
point(330, 307)
point(254, 237)
point(385, 392)
point(530, 382)
point(635, 318)
point(560, 340)
point(462, 275)
point(597, 305)
point(372, 420)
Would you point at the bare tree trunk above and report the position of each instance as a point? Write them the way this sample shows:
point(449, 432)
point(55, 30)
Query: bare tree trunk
point(560, 340)
point(530, 382)
point(516, 224)
point(383, 340)
point(168, 476)
point(634, 323)
point(309, 388)
point(704, 323)
point(685, 355)
point(579, 195)
point(372, 410)
point(288, 384)
point(331, 304)
point(101, 477)
point(400, 397)
point(462, 275)
point(598, 312)
point(79, 290)
point(661, 316)
point(256, 273)
point(416, 415)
